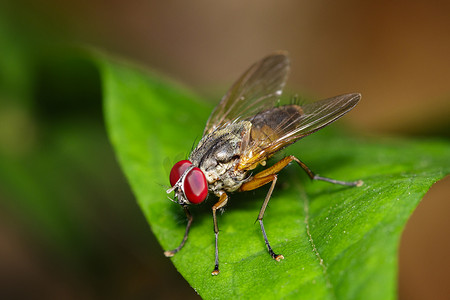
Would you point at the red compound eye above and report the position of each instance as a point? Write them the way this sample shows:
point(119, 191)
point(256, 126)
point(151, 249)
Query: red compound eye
point(177, 170)
point(195, 186)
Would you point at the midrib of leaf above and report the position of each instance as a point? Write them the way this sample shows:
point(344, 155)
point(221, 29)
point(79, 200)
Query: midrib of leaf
point(320, 260)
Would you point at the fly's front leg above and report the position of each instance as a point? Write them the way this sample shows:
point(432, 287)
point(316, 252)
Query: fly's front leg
point(221, 203)
point(188, 226)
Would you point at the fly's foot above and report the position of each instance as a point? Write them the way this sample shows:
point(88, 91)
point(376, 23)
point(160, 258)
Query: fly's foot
point(277, 257)
point(170, 253)
point(216, 271)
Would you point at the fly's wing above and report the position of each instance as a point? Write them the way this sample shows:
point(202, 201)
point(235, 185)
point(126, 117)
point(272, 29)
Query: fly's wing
point(276, 128)
point(256, 90)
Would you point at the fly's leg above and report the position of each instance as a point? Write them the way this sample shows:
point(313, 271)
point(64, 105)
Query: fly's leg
point(260, 179)
point(221, 203)
point(285, 161)
point(256, 182)
point(317, 177)
point(188, 226)
point(270, 175)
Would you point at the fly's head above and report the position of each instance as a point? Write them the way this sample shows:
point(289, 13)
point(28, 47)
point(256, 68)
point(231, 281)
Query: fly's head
point(188, 182)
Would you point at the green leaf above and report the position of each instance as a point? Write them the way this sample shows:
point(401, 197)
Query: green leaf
point(338, 242)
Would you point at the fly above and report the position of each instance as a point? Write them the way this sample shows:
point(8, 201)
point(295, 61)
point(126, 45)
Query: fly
point(244, 131)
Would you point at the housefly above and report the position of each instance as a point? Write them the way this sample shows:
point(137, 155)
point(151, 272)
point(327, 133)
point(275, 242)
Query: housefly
point(243, 131)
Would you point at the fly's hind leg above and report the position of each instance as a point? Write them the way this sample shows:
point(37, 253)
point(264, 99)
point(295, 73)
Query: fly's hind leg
point(314, 176)
point(270, 175)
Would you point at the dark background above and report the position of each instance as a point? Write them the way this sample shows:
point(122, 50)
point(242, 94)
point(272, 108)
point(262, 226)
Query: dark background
point(69, 225)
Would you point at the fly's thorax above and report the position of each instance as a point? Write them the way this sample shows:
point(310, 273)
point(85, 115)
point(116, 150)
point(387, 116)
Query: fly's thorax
point(228, 183)
point(218, 153)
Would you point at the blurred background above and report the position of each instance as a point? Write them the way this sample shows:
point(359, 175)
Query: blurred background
point(69, 224)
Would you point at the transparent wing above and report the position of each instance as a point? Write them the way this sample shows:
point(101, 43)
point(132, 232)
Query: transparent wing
point(256, 90)
point(320, 114)
point(276, 128)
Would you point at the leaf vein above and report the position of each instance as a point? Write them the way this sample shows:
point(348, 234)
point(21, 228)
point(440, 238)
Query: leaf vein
point(314, 248)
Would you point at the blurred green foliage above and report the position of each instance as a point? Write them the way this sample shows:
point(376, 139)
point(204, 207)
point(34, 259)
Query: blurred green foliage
point(73, 226)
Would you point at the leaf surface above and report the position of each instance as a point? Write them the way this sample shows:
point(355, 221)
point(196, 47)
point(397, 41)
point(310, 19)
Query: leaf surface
point(338, 242)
